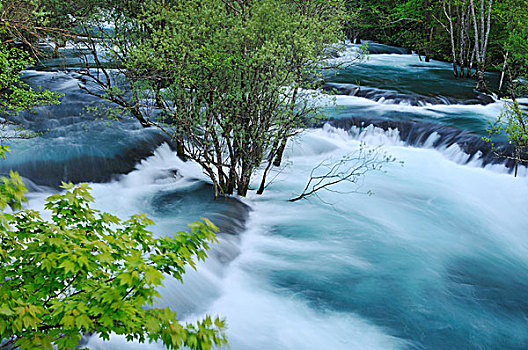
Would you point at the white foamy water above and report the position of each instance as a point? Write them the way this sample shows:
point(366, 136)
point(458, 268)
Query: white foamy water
point(313, 274)
point(437, 258)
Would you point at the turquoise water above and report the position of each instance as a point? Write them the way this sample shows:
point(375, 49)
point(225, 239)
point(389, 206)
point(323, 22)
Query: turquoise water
point(436, 258)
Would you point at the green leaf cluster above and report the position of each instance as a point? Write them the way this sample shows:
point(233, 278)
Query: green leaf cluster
point(84, 271)
point(15, 94)
point(512, 20)
point(512, 122)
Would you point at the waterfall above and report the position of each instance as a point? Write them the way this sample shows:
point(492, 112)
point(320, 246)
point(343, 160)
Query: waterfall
point(436, 258)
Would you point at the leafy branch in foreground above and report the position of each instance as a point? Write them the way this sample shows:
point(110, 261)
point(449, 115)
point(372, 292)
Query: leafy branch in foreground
point(513, 121)
point(350, 168)
point(86, 271)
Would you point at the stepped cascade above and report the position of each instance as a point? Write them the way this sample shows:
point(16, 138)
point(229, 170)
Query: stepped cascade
point(436, 258)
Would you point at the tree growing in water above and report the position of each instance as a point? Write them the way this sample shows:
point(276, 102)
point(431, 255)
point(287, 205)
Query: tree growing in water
point(225, 78)
point(84, 271)
point(513, 121)
point(468, 33)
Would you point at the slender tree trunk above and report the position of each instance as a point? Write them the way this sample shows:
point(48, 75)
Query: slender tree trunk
point(55, 53)
point(471, 60)
point(428, 47)
point(481, 40)
point(481, 78)
point(452, 36)
point(231, 182)
point(475, 29)
point(245, 176)
point(144, 123)
point(280, 153)
point(271, 157)
point(488, 29)
point(470, 52)
point(462, 37)
point(482, 27)
point(517, 157)
point(264, 178)
point(243, 185)
point(485, 39)
point(180, 149)
point(503, 73)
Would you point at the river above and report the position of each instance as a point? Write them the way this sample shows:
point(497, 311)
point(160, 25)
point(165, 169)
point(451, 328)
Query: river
point(435, 258)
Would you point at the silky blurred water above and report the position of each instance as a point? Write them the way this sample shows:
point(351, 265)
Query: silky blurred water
point(436, 258)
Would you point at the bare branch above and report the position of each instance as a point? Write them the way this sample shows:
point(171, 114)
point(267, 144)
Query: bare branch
point(350, 168)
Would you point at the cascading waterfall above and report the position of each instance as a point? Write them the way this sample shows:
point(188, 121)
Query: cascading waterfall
point(437, 258)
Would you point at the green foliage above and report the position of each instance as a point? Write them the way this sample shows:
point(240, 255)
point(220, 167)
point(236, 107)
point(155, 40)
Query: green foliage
point(516, 122)
point(58, 14)
point(83, 271)
point(226, 75)
point(15, 94)
point(51, 21)
point(87, 271)
point(406, 23)
point(512, 19)
point(424, 26)
point(513, 122)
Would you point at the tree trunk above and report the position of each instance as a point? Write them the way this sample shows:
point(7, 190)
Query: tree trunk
point(280, 153)
point(180, 149)
point(475, 29)
point(481, 41)
point(55, 53)
point(243, 185)
point(488, 29)
point(262, 186)
point(482, 28)
point(462, 37)
point(232, 179)
point(503, 70)
point(452, 37)
point(471, 60)
point(482, 87)
point(470, 52)
point(517, 157)
point(137, 114)
point(485, 39)
point(264, 176)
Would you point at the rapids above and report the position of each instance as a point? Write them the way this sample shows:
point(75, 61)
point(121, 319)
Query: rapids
point(437, 258)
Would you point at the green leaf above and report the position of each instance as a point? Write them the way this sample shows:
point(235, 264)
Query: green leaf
point(6, 311)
